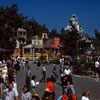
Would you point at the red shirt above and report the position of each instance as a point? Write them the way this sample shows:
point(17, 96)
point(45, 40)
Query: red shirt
point(50, 85)
point(65, 97)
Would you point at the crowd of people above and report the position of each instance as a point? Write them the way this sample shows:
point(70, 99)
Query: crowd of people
point(8, 84)
point(9, 67)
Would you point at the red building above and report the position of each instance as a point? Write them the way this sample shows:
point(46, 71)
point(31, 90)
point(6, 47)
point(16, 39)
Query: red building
point(53, 45)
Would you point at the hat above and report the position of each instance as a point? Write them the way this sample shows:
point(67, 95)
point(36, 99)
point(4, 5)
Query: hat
point(47, 90)
point(36, 95)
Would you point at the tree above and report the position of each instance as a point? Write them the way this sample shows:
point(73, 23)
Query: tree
point(11, 20)
point(54, 33)
point(97, 41)
point(70, 41)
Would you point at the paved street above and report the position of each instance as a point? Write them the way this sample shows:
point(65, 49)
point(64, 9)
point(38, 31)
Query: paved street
point(80, 83)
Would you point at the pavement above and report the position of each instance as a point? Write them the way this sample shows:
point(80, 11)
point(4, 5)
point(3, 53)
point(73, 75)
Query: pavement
point(80, 83)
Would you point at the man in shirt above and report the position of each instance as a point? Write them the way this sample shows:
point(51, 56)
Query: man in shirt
point(61, 61)
point(67, 71)
point(11, 93)
point(28, 77)
point(43, 73)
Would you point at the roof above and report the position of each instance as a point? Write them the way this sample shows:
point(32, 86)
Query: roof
point(50, 43)
point(36, 37)
point(21, 29)
point(56, 46)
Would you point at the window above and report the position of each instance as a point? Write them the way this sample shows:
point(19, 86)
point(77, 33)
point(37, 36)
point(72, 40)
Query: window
point(24, 33)
point(20, 33)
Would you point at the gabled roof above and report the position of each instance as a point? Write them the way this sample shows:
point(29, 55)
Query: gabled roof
point(56, 46)
point(50, 44)
point(21, 29)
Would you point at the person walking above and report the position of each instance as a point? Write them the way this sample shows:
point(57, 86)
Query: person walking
point(43, 74)
point(97, 64)
point(54, 76)
point(28, 77)
point(23, 65)
point(60, 61)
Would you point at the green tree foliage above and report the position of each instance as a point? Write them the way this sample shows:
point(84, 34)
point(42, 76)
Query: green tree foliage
point(11, 20)
point(70, 41)
point(54, 33)
point(97, 41)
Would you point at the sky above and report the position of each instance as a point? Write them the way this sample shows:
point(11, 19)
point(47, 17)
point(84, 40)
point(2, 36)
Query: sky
point(56, 13)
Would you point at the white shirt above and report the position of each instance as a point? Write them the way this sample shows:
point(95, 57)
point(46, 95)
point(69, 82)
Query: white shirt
point(26, 96)
point(60, 60)
point(85, 98)
point(32, 83)
point(43, 68)
point(15, 85)
point(10, 95)
point(67, 72)
point(97, 64)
